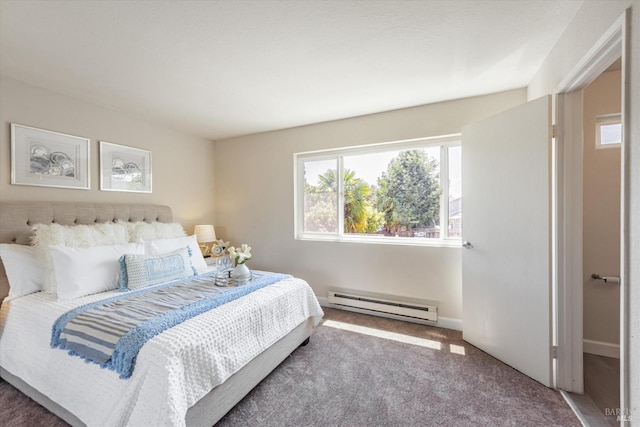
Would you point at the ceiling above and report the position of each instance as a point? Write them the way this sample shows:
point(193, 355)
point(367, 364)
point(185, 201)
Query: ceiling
point(219, 69)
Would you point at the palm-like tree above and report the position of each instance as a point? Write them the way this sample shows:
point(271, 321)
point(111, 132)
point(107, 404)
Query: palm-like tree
point(356, 199)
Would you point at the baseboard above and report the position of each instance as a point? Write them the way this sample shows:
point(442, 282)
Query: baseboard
point(443, 322)
point(450, 323)
point(601, 348)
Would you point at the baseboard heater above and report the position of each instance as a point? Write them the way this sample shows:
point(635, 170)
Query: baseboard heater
point(416, 311)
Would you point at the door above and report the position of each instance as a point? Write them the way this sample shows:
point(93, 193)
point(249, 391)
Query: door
point(506, 263)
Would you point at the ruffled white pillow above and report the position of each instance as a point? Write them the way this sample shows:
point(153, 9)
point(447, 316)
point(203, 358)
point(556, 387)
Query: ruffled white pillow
point(153, 230)
point(74, 236)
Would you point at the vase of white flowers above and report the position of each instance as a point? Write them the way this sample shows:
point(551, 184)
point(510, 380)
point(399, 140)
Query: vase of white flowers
point(241, 256)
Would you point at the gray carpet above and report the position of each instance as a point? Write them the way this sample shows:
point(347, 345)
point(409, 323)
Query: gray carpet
point(345, 378)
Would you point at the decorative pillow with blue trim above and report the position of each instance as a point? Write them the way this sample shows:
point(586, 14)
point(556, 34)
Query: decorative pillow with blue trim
point(140, 271)
point(159, 247)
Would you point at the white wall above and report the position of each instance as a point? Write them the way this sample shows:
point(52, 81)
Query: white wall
point(601, 217)
point(632, 225)
point(591, 22)
point(182, 165)
point(254, 204)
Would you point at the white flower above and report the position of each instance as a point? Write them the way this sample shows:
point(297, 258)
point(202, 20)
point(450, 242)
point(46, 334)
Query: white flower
point(221, 243)
point(241, 255)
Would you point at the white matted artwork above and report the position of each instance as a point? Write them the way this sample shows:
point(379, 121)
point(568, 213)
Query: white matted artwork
point(124, 168)
point(48, 159)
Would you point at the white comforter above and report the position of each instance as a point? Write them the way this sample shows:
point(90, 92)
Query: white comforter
point(173, 370)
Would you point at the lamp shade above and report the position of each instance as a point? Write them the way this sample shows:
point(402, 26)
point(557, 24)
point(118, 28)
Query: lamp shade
point(204, 233)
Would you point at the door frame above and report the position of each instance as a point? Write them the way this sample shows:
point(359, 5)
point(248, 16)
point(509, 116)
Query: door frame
point(567, 209)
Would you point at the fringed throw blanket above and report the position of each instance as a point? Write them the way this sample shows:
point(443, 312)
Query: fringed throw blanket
point(111, 332)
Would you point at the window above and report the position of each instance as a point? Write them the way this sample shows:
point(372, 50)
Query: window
point(608, 131)
point(401, 192)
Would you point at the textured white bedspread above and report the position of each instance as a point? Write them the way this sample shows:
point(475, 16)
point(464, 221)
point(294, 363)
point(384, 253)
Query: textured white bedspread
point(173, 370)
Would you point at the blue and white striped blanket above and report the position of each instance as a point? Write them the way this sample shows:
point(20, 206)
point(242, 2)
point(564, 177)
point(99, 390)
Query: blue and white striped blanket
point(111, 332)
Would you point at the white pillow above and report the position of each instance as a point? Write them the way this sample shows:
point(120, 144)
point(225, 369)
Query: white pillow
point(24, 272)
point(74, 236)
point(141, 271)
point(153, 230)
point(86, 271)
point(163, 246)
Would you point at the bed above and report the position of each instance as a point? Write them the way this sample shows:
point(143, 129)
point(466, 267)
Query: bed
point(177, 380)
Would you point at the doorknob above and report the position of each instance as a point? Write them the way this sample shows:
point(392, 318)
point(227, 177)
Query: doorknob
point(467, 245)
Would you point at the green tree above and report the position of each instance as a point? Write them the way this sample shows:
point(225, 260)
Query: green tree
point(408, 192)
point(375, 220)
point(356, 199)
point(359, 214)
point(320, 205)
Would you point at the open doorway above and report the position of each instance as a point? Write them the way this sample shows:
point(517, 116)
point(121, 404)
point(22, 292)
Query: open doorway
point(601, 157)
point(571, 273)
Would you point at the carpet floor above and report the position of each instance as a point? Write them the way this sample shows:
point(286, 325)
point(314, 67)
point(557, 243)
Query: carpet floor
point(361, 370)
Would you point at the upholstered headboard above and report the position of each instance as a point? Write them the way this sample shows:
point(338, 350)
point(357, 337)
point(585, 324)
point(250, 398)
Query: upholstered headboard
point(18, 218)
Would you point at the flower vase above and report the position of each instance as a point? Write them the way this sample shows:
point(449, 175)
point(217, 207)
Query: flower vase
point(241, 273)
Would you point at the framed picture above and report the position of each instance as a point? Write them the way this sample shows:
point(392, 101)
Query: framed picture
point(124, 168)
point(48, 159)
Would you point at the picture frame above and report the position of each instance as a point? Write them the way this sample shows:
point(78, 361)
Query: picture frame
point(48, 159)
point(124, 168)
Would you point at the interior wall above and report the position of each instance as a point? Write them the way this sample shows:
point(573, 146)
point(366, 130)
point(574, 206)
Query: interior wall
point(182, 165)
point(631, 332)
point(254, 205)
point(601, 218)
point(592, 20)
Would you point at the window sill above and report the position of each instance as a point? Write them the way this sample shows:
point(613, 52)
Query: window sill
point(399, 241)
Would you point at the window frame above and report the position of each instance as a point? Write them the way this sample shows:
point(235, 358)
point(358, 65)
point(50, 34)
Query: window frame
point(608, 119)
point(442, 141)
